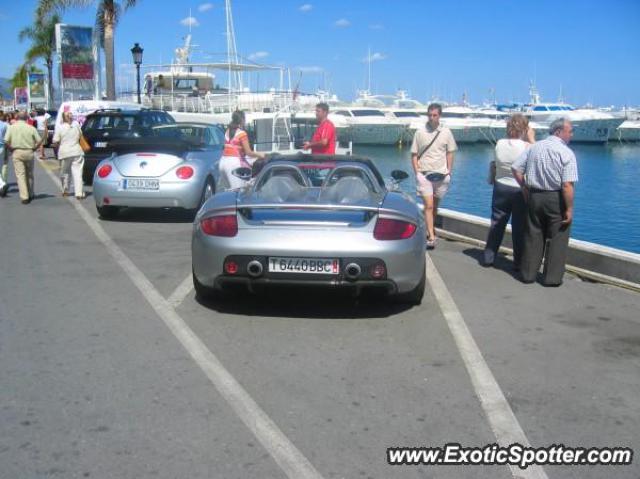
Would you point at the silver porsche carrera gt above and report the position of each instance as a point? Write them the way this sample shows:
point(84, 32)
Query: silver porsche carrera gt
point(319, 220)
point(176, 167)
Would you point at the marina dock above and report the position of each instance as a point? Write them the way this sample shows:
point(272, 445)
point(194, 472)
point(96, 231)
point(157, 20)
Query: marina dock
point(112, 368)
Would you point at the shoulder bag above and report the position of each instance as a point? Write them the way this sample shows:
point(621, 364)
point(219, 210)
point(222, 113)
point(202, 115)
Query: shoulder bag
point(84, 144)
point(435, 177)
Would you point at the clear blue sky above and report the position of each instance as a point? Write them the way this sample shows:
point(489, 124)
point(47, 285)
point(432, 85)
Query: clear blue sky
point(589, 49)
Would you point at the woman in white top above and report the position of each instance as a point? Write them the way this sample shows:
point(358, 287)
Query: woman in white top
point(70, 154)
point(508, 200)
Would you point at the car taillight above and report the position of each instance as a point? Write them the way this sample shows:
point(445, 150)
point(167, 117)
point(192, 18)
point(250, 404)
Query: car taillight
point(104, 171)
point(220, 225)
point(184, 172)
point(389, 229)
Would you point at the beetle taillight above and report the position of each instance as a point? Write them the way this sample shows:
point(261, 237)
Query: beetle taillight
point(104, 171)
point(226, 225)
point(184, 172)
point(390, 229)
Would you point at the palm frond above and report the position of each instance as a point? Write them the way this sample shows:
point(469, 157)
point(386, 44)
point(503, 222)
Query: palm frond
point(27, 32)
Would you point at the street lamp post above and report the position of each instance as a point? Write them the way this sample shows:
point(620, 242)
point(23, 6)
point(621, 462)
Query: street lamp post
point(136, 51)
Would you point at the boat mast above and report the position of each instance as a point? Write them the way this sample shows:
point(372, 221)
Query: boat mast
point(232, 52)
point(369, 80)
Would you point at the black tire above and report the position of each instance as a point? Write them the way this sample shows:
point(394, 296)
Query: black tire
point(202, 291)
point(107, 212)
point(208, 191)
point(414, 297)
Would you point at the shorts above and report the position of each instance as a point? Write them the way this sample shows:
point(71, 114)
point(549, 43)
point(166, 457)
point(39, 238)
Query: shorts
point(432, 188)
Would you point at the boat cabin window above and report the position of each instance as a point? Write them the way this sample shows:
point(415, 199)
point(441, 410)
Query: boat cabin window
point(341, 113)
point(367, 113)
point(406, 114)
point(555, 108)
point(540, 108)
point(185, 83)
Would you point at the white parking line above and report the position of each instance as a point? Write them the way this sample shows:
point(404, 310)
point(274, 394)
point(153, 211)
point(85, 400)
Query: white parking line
point(287, 456)
point(181, 292)
point(503, 422)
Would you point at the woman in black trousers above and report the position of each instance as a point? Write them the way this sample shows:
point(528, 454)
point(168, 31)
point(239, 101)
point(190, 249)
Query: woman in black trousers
point(507, 200)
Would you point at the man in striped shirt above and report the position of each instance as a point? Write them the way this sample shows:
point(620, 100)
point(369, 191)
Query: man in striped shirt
point(547, 173)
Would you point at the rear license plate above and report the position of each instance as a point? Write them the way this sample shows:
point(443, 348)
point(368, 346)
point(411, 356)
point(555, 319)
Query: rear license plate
point(304, 265)
point(100, 144)
point(140, 184)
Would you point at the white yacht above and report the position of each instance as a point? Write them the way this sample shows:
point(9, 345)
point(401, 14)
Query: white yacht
point(368, 125)
point(589, 125)
point(411, 119)
point(629, 130)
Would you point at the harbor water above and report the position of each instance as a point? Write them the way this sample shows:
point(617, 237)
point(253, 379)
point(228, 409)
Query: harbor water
point(607, 209)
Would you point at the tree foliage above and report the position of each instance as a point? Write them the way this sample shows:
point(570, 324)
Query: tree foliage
point(107, 15)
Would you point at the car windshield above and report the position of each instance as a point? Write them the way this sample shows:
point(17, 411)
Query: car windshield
point(194, 134)
point(321, 183)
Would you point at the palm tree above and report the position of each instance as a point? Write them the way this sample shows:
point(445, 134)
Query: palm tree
point(107, 16)
point(43, 44)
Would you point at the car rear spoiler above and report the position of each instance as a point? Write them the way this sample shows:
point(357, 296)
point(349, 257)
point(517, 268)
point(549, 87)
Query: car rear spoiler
point(383, 212)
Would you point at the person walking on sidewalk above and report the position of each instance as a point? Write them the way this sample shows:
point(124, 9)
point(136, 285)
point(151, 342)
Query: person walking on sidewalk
point(23, 140)
point(547, 173)
point(507, 199)
point(41, 126)
point(70, 154)
point(432, 158)
point(4, 157)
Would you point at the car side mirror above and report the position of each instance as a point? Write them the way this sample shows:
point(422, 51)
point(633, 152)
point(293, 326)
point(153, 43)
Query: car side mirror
point(399, 175)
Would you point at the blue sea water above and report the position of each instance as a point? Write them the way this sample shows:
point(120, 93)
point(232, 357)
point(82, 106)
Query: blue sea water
point(607, 209)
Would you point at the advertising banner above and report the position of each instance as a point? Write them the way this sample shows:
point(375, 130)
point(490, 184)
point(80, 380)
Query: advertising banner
point(37, 91)
point(75, 49)
point(21, 96)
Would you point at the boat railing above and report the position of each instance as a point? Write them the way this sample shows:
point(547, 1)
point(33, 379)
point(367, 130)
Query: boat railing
point(218, 102)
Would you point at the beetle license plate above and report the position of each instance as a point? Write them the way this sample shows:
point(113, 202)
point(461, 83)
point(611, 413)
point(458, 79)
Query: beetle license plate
point(100, 144)
point(304, 265)
point(140, 184)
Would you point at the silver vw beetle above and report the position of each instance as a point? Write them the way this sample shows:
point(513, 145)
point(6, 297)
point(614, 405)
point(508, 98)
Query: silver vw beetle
point(312, 220)
point(177, 167)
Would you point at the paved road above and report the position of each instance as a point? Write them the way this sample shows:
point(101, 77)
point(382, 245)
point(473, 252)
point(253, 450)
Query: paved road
point(94, 383)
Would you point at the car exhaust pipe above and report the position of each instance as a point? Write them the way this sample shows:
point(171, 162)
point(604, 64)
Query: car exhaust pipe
point(352, 271)
point(254, 268)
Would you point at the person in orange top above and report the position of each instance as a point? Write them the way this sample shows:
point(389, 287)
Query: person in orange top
point(237, 153)
point(323, 141)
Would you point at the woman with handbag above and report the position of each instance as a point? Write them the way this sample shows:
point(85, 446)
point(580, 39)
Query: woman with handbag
point(508, 199)
point(68, 137)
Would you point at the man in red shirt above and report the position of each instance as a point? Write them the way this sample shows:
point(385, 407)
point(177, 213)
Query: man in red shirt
point(323, 141)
